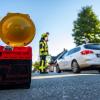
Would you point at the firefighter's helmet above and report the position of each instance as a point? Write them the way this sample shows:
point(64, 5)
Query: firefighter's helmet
point(45, 34)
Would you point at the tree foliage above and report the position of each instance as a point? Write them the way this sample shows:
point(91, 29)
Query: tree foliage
point(86, 26)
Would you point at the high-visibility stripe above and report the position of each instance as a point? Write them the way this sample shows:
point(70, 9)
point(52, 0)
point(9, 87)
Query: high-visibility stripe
point(41, 49)
point(42, 62)
point(42, 67)
point(42, 43)
point(44, 49)
point(45, 52)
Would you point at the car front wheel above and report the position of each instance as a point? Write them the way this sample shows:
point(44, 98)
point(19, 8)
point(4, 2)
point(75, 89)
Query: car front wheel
point(75, 67)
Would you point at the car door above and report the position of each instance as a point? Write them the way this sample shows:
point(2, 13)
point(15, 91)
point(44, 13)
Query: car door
point(60, 61)
point(68, 59)
point(64, 61)
point(71, 56)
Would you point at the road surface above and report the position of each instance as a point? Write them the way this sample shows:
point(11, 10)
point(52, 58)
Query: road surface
point(52, 86)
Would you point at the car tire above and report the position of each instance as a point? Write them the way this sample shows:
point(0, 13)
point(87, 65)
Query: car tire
point(58, 69)
point(75, 67)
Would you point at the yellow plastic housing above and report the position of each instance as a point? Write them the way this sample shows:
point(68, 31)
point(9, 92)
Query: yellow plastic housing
point(17, 29)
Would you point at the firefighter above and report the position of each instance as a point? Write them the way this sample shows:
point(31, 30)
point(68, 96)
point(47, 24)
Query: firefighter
point(43, 51)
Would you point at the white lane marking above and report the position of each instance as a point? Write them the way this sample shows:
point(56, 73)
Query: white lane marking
point(59, 76)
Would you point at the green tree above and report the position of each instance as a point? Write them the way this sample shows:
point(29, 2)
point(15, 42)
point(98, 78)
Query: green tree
point(87, 26)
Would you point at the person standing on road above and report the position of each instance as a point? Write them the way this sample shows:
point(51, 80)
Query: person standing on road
point(43, 51)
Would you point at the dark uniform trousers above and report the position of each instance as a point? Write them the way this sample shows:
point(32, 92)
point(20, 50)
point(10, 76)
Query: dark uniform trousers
point(42, 63)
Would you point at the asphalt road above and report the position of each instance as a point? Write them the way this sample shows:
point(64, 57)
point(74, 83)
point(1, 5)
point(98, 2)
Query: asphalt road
point(64, 86)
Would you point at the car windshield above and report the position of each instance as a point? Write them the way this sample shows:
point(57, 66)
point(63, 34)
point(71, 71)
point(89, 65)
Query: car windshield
point(62, 54)
point(92, 46)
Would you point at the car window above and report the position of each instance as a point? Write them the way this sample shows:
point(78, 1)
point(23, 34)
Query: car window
point(65, 54)
point(77, 49)
point(62, 55)
point(74, 50)
point(71, 51)
point(92, 46)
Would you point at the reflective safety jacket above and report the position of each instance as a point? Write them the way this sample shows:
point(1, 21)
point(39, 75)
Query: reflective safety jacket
point(43, 48)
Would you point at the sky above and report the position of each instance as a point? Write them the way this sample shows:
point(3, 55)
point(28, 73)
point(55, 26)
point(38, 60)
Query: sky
point(53, 16)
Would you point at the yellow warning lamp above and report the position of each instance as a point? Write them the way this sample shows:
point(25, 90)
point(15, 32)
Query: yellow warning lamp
point(17, 29)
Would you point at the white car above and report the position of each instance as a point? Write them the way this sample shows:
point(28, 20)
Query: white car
point(82, 57)
point(53, 62)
